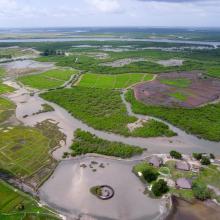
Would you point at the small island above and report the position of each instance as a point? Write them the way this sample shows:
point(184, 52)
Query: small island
point(103, 192)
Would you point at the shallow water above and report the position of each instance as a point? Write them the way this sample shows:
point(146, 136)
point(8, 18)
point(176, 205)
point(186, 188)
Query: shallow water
point(68, 191)
point(194, 211)
point(27, 105)
point(215, 44)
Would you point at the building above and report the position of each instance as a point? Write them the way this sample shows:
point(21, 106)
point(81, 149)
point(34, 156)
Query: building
point(183, 183)
point(156, 161)
point(182, 165)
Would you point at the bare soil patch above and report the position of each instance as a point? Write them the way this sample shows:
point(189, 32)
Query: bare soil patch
point(171, 89)
point(123, 62)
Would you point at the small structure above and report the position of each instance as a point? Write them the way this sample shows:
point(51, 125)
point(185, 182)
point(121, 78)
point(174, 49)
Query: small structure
point(156, 161)
point(183, 183)
point(182, 165)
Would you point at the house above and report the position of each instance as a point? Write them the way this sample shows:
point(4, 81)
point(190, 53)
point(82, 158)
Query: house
point(183, 183)
point(182, 165)
point(155, 161)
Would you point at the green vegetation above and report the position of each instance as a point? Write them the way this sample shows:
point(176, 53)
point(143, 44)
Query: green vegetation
point(203, 121)
point(180, 83)
point(96, 191)
point(179, 96)
point(205, 161)
point(45, 108)
point(186, 194)
point(4, 88)
point(47, 80)
point(153, 128)
point(17, 205)
point(24, 151)
point(85, 142)
point(149, 173)
point(6, 109)
point(201, 191)
point(164, 171)
point(103, 110)
point(197, 156)
point(159, 188)
point(176, 155)
point(210, 176)
point(113, 81)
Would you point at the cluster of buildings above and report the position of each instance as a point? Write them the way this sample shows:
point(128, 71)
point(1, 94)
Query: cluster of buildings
point(187, 164)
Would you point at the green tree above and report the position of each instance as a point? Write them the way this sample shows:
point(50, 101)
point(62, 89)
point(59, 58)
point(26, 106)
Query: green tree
point(197, 156)
point(205, 161)
point(160, 187)
point(150, 174)
point(175, 154)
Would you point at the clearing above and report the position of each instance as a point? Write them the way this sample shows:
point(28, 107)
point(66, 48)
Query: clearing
point(47, 80)
point(113, 81)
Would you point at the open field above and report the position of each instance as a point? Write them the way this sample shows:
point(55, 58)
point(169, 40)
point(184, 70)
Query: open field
point(85, 142)
point(103, 109)
point(25, 151)
point(203, 121)
point(6, 109)
point(12, 201)
point(47, 80)
point(5, 89)
point(113, 81)
point(185, 89)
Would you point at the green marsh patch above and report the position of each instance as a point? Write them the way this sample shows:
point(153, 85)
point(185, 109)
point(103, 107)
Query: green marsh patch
point(17, 205)
point(113, 81)
point(180, 83)
point(102, 109)
point(85, 142)
point(203, 121)
point(47, 80)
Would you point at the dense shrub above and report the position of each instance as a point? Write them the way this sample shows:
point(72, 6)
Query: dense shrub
point(205, 161)
point(197, 156)
point(85, 142)
point(203, 121)
point(212, 156)
point(103, 109)
point(150, 174)
point(160, 187)
point(201, 191)
point(175, 154)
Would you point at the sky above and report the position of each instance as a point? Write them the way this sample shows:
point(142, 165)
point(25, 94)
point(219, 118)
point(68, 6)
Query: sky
point(78, 13)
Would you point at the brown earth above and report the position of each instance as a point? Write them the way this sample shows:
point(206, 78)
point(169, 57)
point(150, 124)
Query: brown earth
point(201, 90)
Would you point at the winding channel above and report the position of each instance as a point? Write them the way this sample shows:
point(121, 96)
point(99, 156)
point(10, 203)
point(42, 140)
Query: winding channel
point(27, 105)
point(70, 182)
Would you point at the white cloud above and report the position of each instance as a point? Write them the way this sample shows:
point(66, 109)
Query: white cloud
point(105, 5)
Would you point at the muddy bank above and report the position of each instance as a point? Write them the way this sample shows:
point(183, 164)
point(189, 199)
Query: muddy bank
point(198, 210)
point(74, 198)
point(23, 67)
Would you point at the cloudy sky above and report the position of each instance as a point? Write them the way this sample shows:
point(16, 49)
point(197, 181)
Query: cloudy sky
point(44, 13)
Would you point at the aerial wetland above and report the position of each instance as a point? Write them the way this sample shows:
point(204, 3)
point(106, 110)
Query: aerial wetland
point(78, 130)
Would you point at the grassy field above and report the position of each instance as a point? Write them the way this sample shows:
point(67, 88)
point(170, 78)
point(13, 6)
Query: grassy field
point(24, 151)
point(103, 109)
point(6, 109)
point(203, 122)
point(85, 142)
point(180, 83)
point(47, 80)
point(4, 88)
point(113, 81)
point(12, 199)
